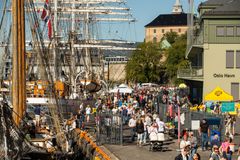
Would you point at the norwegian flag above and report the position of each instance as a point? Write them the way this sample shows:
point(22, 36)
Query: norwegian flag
point(46, 18)
point(45, 11)
point(49, 23)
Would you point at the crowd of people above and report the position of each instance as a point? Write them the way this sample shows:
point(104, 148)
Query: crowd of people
point(219, 150)
point(142, 112)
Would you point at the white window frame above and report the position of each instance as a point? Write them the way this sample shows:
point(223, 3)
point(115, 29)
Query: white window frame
point(218, 31)
point(231, 31)
point(229, 59)
point(238, 31)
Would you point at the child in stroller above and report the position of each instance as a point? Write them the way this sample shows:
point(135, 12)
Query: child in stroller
point(156, 138)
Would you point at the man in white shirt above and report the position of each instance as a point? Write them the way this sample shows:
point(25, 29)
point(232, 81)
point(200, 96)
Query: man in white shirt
point(132, 125)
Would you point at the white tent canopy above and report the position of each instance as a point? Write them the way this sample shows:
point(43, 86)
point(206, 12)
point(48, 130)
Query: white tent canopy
point(123, 88)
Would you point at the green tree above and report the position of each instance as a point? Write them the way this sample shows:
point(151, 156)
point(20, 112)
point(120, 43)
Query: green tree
point(176, 58)
point(144, 64)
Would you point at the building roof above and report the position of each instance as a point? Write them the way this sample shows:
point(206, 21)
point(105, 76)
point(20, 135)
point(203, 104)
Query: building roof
point(214, 2)
point(232, 7)
point(164, 20)
point(165, 44)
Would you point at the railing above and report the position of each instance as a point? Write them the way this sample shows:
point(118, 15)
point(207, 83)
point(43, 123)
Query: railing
point(100, 154)
point(195, 72)
point(194, 38)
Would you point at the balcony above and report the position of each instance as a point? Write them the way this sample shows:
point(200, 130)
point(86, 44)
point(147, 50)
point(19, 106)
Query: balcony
point(194, 42)
point(194, 73)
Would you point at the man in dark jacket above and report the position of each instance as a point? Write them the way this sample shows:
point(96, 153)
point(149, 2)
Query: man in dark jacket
point(184, 154)
point(204, 132)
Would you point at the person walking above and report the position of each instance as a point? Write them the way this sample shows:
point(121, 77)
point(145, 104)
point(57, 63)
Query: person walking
point(37, 111)
point(225, 149)
point(140, 131)
point(145, 134)
point(88, 112)
point(228, 120)
point(204, 133)
point(132, 125)
point(161, 125)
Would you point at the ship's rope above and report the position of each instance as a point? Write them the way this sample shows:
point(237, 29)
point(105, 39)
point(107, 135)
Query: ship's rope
point(54, 108)
point(5, 56)
point(6, 53)
point(16, 143)
point(3, 13)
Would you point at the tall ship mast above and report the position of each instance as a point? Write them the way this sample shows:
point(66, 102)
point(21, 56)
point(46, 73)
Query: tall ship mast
point(82, 36)
point(52, 50)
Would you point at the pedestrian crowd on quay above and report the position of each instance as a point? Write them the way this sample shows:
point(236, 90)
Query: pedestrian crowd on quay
point(140, 112)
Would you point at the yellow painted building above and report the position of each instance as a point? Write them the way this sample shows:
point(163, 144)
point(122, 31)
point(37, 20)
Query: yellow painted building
point(175, 22)
point(214, 50)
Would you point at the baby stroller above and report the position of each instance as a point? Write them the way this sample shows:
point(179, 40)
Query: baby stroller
point(156, 141)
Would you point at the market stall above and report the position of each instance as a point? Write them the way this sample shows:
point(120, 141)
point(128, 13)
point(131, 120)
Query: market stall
point(218, 94)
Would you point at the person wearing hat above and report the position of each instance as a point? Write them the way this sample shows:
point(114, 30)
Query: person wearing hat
point(185, 142)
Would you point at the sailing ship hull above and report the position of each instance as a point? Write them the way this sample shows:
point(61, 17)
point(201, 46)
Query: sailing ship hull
point(90, 85)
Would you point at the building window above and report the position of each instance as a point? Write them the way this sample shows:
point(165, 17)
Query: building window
point(229, 59)
point(220, 31)
point(235, 91)
point(179, 30)
point(230, 31)
point(238, 59)
point(154, 39)
point(163, 30)
point(238, 30)
point(154, 31)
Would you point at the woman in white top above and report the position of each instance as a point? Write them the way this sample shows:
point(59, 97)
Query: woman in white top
point(161, 125)
point(184, 142)
point(88, 112)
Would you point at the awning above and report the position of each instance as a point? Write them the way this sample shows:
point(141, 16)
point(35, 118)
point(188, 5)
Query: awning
point(218, 94)
point(123, 88)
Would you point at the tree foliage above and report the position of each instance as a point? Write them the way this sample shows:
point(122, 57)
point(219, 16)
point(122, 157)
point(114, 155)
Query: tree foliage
point(176, 58)
point(144, 64)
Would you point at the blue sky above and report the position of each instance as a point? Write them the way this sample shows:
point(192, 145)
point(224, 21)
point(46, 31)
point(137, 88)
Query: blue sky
point(146, 10)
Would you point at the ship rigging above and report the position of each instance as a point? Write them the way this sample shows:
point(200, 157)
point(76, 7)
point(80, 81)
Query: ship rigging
point(61, 58)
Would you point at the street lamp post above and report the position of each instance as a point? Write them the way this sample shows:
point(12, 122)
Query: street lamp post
point(179, 129)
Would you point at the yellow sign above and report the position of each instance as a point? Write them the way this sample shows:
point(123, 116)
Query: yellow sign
point(94, 110)
point(218, 93)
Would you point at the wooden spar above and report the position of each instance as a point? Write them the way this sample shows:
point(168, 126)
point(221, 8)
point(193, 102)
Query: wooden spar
point(15, 88)
point(18, 49)
point(23, 58)
point(19, 39)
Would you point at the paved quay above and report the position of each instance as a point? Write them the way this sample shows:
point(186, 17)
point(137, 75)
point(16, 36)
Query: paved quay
point(133, 152)
point(130, 151)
